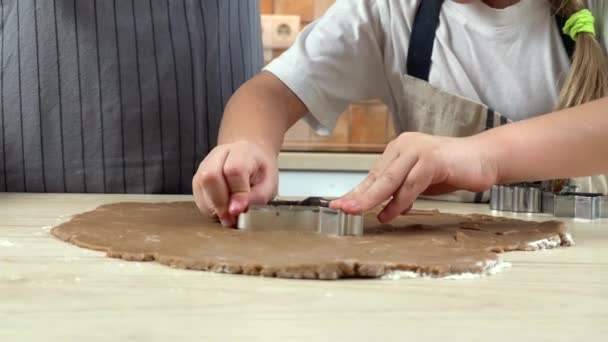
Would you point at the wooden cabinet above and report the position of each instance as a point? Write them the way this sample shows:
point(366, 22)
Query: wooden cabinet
point(305, 9)
point(363, 127)
point(267, 6)
point(321, 6)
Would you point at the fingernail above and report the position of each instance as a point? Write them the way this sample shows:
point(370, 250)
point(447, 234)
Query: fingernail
point(226, 222)
point(235, 208)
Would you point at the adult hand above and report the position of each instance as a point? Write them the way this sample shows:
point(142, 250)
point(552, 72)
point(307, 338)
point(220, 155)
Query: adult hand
point(415, 164)
point(232, 177)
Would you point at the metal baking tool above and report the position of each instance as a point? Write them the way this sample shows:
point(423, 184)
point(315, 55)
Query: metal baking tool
point(526, 199)
point(312, 214)
point(604, 207)
point(548, 203)
point(494, 197)
point(587, 207)
point(521, 198)
point(538, 197)
point(501, 198)
point(563, 206)
point(578, 205)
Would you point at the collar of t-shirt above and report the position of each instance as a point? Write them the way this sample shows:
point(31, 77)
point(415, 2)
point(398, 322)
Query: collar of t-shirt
point(485, 17)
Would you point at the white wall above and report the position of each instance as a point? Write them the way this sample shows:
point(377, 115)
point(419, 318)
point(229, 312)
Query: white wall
point(317, 183)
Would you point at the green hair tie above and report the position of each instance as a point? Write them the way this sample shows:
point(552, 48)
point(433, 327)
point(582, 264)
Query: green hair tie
point(579, 22)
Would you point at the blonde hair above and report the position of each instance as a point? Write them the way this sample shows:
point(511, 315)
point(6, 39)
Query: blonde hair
point(588, 77)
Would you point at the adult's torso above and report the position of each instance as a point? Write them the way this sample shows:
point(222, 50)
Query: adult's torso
point(117, 96)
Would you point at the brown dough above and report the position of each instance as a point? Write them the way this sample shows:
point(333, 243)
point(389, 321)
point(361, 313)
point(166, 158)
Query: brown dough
point(426, 243)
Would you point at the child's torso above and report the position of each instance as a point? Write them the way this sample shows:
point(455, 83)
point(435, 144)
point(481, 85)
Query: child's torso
point(512, 60)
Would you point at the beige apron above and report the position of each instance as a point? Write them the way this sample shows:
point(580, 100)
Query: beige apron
point(427, 109)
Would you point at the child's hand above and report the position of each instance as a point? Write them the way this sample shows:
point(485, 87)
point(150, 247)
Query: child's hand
point(415, 164)
point(232, 177)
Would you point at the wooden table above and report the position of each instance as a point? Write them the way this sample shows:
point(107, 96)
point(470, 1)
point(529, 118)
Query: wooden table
point(51, 290)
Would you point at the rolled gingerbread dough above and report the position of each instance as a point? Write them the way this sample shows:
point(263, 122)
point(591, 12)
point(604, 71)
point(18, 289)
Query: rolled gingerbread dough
point(423, 243)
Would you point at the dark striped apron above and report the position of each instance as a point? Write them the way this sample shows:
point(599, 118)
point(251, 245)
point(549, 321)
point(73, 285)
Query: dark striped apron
point(118, 96)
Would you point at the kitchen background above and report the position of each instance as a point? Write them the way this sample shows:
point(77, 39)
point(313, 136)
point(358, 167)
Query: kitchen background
point(363, 127)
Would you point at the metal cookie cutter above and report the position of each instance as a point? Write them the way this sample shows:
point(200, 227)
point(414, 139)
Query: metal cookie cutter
point(530, 198)
point(312, 214)
point(519, 198)
point(579, 205)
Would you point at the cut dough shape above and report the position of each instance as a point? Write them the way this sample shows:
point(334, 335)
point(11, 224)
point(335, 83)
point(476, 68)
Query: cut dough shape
point(424, 243)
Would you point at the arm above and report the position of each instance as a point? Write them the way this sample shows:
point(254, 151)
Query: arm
point(569, 143)
point(260, 112)
point(565, 144)
point(242, 168)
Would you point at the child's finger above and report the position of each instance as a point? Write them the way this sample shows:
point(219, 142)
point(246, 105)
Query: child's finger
point(407, 210)
point(238, 203)
point(264, 189)
point(379, 166)
point(198, 191)
point(384, 186)
point(351, 195)
point(238, 168)
point(419, 178)
point(210, 179)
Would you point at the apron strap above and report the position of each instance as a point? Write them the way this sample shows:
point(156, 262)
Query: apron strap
point(422, 39)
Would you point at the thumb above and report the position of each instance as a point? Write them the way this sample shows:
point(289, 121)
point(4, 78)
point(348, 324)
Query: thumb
point(238, 203)
point(260, 193)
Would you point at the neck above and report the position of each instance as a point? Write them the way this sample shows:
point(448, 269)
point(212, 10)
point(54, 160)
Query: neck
point(500, 4)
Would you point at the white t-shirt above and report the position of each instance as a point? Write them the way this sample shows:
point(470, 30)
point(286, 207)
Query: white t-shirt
point(512, 60)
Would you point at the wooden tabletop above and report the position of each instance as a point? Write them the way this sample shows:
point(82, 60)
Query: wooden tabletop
point(51, 290)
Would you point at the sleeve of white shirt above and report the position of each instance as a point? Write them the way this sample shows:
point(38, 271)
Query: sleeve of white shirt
point(336, 60)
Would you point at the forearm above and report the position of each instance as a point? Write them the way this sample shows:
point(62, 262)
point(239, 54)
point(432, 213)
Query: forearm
point(261, 111)
point(565, 144)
